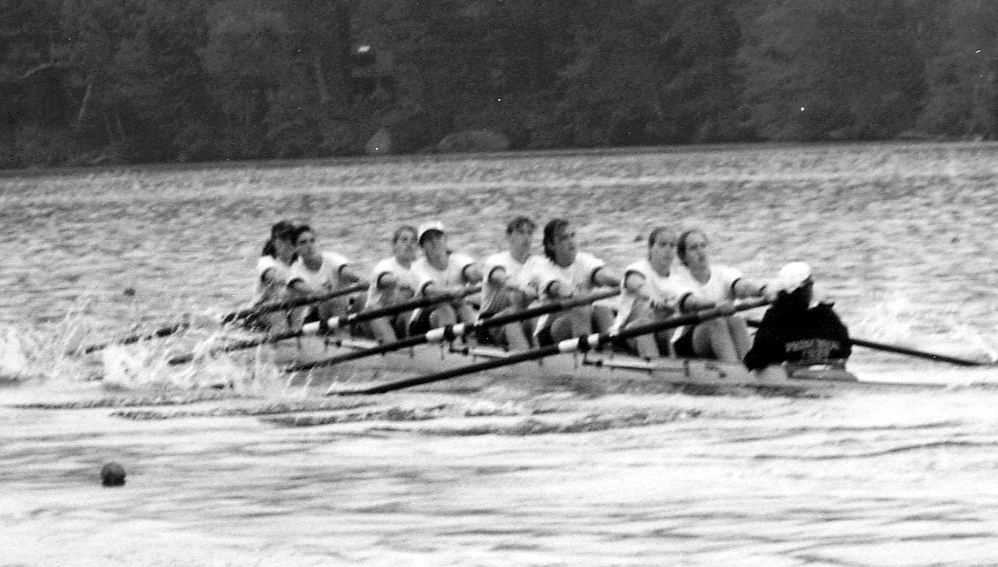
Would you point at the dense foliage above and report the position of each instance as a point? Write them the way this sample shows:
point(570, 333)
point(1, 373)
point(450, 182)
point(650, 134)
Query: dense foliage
point(89, 81)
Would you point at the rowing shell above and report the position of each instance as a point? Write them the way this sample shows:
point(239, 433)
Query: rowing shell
point(604, 371)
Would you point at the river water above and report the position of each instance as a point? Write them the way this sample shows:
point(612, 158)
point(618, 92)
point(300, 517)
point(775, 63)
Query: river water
point(899, 235)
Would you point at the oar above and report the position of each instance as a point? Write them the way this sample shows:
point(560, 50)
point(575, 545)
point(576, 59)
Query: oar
point(289, 304)
point(451, 332)
point(580, 344)
point(228, 318)
point(315, 327)
point(903, 350)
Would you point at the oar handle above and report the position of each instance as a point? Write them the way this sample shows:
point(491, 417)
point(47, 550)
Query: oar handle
point(452, 332)
point(581, 344)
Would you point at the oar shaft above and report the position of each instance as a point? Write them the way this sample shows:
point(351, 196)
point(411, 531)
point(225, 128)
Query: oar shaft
point(335, 322)
point(915, 353)
point(452, 332)
point(583, 344)
point(158, 333)
point(228, 318)
point(290, 304)
point(903, 350)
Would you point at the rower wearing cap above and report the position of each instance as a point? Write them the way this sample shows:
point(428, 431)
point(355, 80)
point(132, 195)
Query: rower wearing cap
point(392, 282)
point(796, 331)
point(510, 285)
point(565, 272)
point(441, 272)
point(317, 271)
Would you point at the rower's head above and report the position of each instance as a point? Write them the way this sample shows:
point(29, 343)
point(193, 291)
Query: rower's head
point(796, 284)
point(404, 244)
point(691, 247)
point(661, 246)
point(433, 240)
point(281, 243)
point(304, 240)
point(559, 242)
point(520, 234)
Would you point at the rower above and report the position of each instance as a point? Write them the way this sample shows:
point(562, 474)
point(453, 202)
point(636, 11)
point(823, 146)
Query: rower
point(441, 272)
point(509, 285)
point(566, 272)
point(317, 271)
point(652, 291)
point(723, 338)
point(797, 332)
point(273, 270)
point(392, 282)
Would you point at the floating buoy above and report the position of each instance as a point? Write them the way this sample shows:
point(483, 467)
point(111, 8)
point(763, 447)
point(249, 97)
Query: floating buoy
point(112, 474)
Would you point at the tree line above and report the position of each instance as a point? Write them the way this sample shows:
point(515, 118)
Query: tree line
point(90, 81)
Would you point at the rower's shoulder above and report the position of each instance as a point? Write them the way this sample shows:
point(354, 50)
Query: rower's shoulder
point(334, 257)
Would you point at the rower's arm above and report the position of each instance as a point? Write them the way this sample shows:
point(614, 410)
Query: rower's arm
point(298, 286)
point(603, 276)
point(472, 274)
point(387, 281)
point(347, 274)
point(693, 302)
point(745, 288)
point(557, 289)
point(270, 277)
point(634, 283)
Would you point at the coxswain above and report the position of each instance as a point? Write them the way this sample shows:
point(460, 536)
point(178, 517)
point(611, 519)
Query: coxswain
point(796, 331)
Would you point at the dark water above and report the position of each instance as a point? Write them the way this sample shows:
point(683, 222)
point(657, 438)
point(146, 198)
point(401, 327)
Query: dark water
point(900, 235)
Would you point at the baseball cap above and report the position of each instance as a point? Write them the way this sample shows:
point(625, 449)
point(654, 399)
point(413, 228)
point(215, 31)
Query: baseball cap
point(792, 276)
point(429, 227)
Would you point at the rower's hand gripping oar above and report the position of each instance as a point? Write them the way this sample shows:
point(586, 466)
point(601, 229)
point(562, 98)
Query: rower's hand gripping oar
point(316, 327)
point(228, 317)
point(579, 344)
point(452, 332)
point(906, 351)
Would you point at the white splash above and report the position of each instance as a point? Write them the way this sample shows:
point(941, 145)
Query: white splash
point(13, 358)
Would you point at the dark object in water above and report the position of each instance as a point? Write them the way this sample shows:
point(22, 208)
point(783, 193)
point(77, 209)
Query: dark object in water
point(112, 474)
point(129, 291)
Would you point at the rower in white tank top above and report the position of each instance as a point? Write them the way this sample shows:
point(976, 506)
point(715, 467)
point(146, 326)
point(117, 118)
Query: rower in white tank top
point(393, 282)
point(440, 272)
point(724, 338)
point(406, 282)
point(325, 278)
point(317, 272)
point(510, 283)
point(274, 265)
point(516, 275)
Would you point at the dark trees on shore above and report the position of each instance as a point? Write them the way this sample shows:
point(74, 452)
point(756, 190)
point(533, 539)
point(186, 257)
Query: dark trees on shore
point(88, 81)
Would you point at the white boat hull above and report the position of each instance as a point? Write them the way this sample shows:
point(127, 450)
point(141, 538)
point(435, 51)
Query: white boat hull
point(603, 371)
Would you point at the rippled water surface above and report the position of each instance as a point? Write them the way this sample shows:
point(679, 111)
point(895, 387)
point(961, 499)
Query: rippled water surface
point(900, 236)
